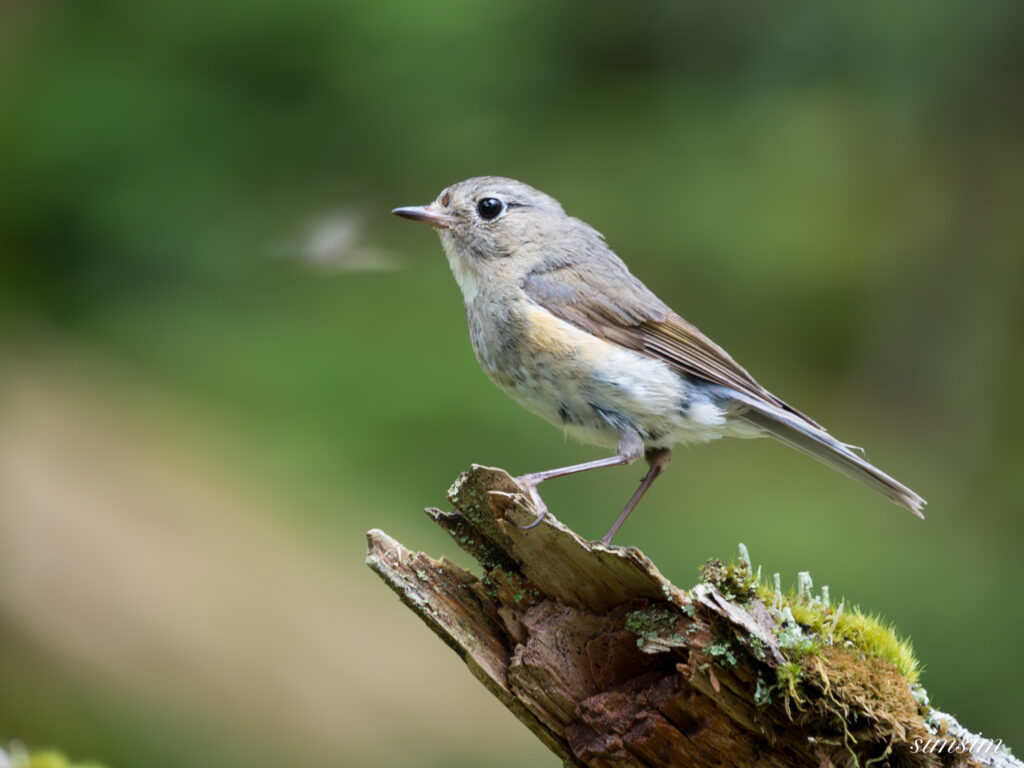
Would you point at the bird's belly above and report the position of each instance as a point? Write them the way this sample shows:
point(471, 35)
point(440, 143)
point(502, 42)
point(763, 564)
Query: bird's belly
point(595, 389)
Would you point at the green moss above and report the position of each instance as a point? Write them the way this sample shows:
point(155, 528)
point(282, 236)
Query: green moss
point(510, 587)
point(763, 693)
point(722, 653)
point(787, 679)
point(735, 582)
point(651, 623)
point(869, 633)
point(824, 625)
point(845, 673)
point(757, 647)
point(792, 638)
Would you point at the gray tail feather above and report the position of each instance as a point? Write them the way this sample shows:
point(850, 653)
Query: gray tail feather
point(795, 432)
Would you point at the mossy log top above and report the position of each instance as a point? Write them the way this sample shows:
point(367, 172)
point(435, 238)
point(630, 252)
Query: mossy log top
point(609, 664)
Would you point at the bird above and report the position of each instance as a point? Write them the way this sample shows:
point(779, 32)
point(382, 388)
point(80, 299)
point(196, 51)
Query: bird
point(559, 323)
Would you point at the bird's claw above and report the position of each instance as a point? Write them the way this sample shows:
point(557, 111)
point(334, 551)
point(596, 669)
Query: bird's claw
point(535, 523)
point(530, 485)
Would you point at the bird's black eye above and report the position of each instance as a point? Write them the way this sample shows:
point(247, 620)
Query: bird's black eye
point(489, 207)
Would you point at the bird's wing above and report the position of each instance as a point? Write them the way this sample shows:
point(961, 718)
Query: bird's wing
point(612, 304)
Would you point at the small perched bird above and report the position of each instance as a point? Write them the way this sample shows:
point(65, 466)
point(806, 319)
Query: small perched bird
point(559, 323)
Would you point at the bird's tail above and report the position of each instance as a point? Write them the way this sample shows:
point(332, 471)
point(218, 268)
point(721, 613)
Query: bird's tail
point(790, 429)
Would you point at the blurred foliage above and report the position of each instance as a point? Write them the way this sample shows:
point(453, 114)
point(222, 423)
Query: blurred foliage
point(831, 191)
point(42, 759)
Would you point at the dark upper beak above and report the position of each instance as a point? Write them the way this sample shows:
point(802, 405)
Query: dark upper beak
point(425, 213)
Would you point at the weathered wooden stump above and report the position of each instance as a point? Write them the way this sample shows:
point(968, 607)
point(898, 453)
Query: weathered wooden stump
point(609, 664)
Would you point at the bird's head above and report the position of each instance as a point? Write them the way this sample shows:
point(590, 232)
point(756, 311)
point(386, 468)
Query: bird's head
point(492, 228)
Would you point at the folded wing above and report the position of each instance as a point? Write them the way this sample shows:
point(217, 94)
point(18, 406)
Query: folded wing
point(612, 304)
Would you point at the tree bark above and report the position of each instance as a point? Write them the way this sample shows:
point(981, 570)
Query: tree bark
point(609, 664)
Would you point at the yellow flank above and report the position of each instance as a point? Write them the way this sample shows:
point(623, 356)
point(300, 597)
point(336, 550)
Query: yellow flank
point(553, 337)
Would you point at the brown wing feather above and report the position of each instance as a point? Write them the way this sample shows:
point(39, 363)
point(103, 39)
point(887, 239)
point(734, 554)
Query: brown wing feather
point(612, 304)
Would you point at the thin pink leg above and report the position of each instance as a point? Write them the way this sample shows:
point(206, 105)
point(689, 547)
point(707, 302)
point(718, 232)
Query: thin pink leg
point(631, 448)
point(658, 461)
point(536, 478)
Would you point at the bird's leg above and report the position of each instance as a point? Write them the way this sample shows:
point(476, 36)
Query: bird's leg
point(657, 460)
point(630, 448)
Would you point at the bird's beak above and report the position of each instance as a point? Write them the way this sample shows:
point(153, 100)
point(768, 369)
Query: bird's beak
point(425, 213)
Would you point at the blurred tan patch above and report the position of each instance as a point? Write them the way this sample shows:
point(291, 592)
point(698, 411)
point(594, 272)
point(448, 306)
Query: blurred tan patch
point(133, 557)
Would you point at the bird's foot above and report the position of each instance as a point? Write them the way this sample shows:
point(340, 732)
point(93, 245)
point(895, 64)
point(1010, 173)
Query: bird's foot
point(529, 483)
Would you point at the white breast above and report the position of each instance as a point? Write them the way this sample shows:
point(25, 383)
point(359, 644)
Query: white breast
point(584, 384)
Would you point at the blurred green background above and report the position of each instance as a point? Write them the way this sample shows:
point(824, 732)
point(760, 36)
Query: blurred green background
point(223, 360)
